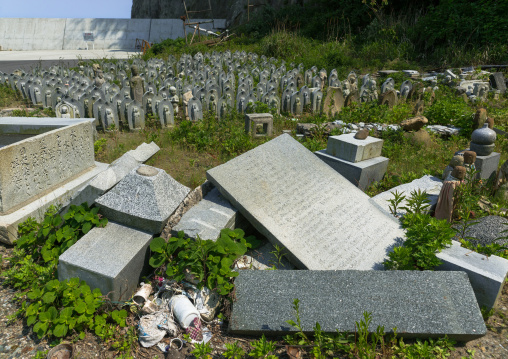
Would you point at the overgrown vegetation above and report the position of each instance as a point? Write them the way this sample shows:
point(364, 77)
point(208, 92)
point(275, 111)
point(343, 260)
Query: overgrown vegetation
point(53, 308)
point(35, 257)
point(206, 261)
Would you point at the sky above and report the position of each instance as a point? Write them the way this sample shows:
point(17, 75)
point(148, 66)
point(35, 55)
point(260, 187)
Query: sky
point(113, 9)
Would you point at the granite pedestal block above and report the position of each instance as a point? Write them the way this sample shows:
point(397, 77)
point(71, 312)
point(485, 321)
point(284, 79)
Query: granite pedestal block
point(253, 120)
point(361, 174)
point(348, 148)
point(298, 202)
point(144, 199)
point(113, 259)
point(419, 304)
point(208, 217)
point(487, 165)
point(486, 274)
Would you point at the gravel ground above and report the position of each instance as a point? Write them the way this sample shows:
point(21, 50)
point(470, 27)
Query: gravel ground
point(487, 230)
point(17, 341)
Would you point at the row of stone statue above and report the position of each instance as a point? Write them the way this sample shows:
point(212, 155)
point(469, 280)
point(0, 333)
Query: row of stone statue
point(120, 92)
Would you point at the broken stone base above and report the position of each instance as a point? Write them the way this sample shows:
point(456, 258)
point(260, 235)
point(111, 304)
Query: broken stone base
point(113, 259)
point(362, 173)
point(60, 197)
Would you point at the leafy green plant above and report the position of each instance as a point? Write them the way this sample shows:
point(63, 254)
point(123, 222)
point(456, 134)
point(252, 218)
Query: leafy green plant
point(395, 202)
point(36, 252)
point(262, 348)
point(417, 203)
point(202, 350)
point(365, 345)
point(299, 337)
point(279, 254)
point(425, 236)
point(427, 349)
point(207, 261)
point(488, 250)
point(57, 308)
point(233, 351)
point(98, 145)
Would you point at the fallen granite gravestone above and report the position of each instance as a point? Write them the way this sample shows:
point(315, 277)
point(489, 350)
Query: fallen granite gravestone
point(299, 202)
point(112, 259)
point(419, 304)
point(144, 199)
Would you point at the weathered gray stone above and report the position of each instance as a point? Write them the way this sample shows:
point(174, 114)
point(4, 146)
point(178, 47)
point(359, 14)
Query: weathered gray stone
point(299, 202)
point(144, 202)
point(253, 120)
point(208, 217)
point(348, 148)
point(112, 259)
point(265, 257)
point(488, 230)
point(37, 164)
point(486, 274)
point(487, 165)
point(497, 81)
point(59, 197)
point(144, 151)
point(419, 304)
point(430, 184)
point(362, 173)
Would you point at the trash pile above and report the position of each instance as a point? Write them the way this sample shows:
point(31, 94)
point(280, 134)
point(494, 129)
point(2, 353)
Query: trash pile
point(175, 309)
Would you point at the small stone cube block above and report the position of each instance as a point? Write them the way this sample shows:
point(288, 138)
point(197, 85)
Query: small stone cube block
point(253, 120)
point(348, 148)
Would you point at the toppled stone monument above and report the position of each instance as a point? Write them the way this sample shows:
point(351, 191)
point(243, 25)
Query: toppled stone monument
point(299, 202)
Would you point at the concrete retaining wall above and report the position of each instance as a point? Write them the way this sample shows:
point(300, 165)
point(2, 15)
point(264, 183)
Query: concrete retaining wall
point(67, 34)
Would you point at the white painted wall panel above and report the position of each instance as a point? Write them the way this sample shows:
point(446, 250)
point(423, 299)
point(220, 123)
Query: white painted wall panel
point(67, 34)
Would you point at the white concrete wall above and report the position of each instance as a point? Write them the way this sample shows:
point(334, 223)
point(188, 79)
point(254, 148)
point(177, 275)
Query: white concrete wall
point(67, 34)
point(31, 34)
point(108, 33)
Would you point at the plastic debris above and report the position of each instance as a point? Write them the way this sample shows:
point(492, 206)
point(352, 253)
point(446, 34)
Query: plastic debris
point(153, 327)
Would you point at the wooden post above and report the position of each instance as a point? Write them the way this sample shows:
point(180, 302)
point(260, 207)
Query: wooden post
point(199, 34)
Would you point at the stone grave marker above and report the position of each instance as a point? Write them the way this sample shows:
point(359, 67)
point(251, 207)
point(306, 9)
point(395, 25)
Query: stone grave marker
point(144, 199)
point(299, 202)
point(419, 304)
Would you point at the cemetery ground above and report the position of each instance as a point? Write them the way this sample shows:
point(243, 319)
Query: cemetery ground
point(188, 150)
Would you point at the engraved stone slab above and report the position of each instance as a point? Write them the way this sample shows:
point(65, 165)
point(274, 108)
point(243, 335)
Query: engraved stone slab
point(112, 259)
point(419, 304)
point(30, 167)
point(348, 148)
point(299, 202)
